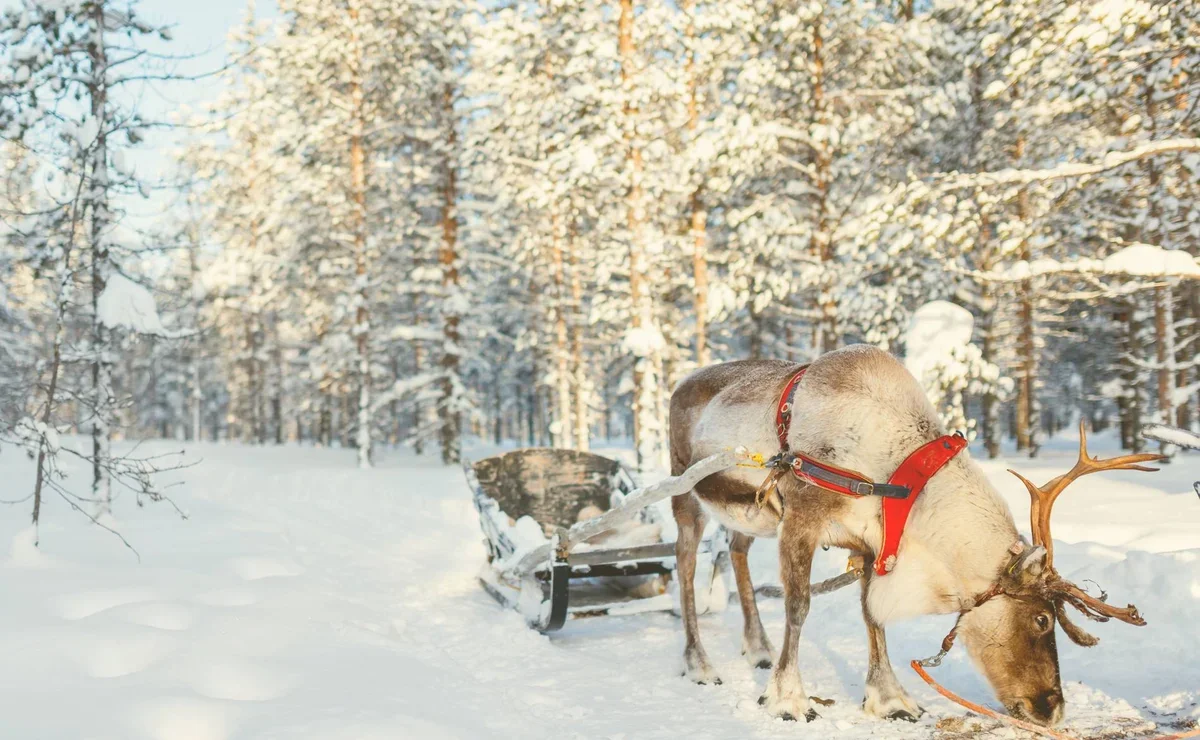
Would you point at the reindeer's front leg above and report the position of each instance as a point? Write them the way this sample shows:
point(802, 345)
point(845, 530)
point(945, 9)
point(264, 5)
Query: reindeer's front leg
point(885, 697)
point(785, 696)
point(690, 518)
point(755, 645)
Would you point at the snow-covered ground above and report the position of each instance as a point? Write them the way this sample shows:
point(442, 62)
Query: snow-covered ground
point(304, 598)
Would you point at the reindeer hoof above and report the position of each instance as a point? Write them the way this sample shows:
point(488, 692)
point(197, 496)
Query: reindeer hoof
point(757, 652)
point(790, 716)
point(901, 714)
point(809, 716)
point(702, 680)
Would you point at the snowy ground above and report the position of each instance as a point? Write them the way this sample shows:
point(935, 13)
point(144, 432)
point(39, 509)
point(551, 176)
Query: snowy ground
point(306, 599)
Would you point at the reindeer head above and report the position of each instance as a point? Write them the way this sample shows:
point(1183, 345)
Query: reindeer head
point(1010, 633)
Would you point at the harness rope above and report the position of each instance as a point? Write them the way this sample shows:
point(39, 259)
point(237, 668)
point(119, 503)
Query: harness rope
point(948, 642)
point(917, 666)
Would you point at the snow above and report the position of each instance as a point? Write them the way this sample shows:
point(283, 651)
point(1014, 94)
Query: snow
point(127, 305)
point(933, 332)
point(1140, 260)
point(643, 341)
point(1172, 435)
point(1152, 261)
point(305, 598)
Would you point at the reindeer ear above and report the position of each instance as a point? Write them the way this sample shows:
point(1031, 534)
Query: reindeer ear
point(1034, 562)
point(1077, 635)
point(1026, 568)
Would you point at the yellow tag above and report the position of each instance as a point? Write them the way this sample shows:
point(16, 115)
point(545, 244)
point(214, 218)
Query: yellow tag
point(757, 460)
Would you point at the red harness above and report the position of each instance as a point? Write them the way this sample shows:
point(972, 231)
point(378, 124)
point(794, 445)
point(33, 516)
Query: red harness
point(899, 493)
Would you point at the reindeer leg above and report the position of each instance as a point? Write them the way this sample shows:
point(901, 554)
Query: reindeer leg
point(785, 696)
point(885, 697)
point(755, 645)
point(690, 518)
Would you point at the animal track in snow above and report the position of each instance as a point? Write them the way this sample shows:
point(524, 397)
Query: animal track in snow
point(227, 597)
point(239, 681)
point(122, 656)
point(185, 719)
point(253, 569)
point(160, 615)
point(85, 604)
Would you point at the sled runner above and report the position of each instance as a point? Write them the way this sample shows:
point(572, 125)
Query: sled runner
point(569, 534)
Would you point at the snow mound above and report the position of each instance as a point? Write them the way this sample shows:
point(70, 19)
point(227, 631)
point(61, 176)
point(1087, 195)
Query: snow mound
point(934, 331)
point(126, 305)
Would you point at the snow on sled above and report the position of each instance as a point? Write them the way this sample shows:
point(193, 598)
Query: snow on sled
point(569, 535)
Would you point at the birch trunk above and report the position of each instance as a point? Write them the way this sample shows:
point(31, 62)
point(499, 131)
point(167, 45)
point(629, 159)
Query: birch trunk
point(97, 199)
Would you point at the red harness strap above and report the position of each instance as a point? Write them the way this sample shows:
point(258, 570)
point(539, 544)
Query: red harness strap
point(913, 473)
point(899, 494)
point(783, 414)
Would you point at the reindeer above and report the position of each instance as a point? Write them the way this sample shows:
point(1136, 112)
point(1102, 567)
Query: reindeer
point(859, 409)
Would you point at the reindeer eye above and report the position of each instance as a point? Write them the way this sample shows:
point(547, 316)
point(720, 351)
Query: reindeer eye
point(1043, 621)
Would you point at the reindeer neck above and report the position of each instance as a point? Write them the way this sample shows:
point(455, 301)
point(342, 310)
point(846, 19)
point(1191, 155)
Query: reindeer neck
point(956, 541)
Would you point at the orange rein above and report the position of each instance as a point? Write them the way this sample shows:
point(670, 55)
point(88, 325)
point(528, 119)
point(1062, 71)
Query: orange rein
point(916, 666)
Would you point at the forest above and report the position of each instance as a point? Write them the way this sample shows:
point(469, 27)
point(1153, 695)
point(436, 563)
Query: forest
point(524, 221)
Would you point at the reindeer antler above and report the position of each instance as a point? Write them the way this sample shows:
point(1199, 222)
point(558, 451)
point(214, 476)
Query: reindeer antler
point(1041, 505)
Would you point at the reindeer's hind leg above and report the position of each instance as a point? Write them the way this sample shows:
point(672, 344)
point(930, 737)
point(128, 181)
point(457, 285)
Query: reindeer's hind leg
point(690, 518)
point(755, 645)
point(885, 697)
point(785, 696)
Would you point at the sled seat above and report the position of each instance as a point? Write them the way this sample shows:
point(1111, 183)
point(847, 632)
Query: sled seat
point(550, 485)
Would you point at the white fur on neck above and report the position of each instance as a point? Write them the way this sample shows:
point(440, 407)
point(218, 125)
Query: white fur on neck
point(959, 530)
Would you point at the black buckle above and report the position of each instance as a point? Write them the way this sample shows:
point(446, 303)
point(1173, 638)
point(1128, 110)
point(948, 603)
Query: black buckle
point(863, 488)
point(780, 460)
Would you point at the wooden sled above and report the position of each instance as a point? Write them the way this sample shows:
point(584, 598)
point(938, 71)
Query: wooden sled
point(571, 575)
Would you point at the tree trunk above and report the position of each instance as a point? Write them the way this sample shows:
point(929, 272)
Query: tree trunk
point(1028, 421)
point(97, 198)
point(1164, 344)
point(560, 428)
point(451, 415)
point(195, 395)
point(358, 188)
point(990, 403)
point(579, 385)
point(1131, 418)
point(62, 304)
point(821, 243)
point(698, 218)
point(647, 430)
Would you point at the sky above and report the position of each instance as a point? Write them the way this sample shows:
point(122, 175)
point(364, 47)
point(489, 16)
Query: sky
point(199, 28)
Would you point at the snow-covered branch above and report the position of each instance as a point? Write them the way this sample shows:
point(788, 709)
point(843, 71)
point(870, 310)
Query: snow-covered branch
point(1109, 161)
point(1146, 261)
